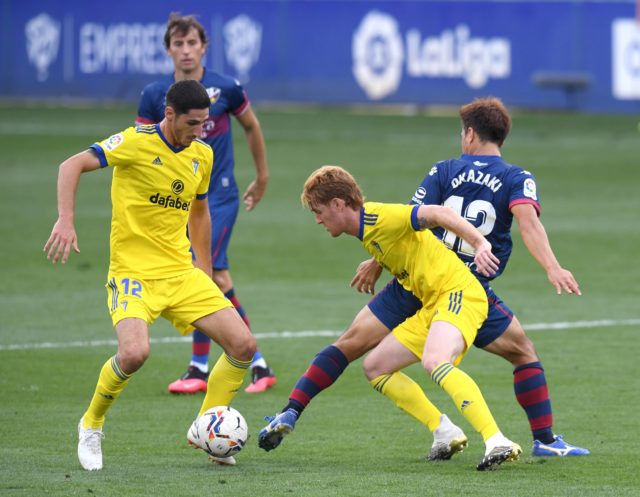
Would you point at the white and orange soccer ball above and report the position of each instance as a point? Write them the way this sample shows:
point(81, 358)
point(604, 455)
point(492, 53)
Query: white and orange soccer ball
point(221, 431)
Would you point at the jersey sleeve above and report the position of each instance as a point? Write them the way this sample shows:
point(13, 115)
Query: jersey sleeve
point(238, 99)
point(118, 149)
point(523, 190)
point(151, 101)
point(429, 192)
point(203, 188)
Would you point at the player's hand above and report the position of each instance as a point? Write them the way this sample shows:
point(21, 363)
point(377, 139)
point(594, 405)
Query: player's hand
point(563, 280)
point(366, 276)
point(254, 193)
point(486, 262)
point(62, 239)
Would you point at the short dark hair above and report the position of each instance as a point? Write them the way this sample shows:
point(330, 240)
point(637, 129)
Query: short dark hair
point(488, 117)
point(186, 95)
point(181, 25)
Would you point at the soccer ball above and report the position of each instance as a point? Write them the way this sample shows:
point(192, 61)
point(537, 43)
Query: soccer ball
point(222, 431)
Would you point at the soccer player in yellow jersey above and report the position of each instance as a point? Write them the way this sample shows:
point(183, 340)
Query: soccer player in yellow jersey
point(454, 302)
point(160, 180)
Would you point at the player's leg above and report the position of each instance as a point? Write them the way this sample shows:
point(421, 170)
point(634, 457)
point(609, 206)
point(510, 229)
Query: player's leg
point(364, 333)
point(445, 345)
point(529, 380)
point(262, 377)
point(196, 302)
point(133, 350)
point(195, 378)
point(409, 338)
point(228, 330)
point(457, 317)
point(390, 307)
point(225, 213)
point(385, 311)
point(382, 369)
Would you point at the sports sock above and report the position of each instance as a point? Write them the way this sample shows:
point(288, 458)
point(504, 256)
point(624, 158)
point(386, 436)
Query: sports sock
point(111, 382)
point(224, 382)
point(408, 396)
point(467, 397)
point(258, 361)
point(231, 295)
point(200, 346)
point(530, 386)
point(323, 371)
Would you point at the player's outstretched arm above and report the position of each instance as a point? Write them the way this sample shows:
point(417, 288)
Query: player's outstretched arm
point(63, 235)
point(200, 234)
point(437, 215)
point(255, 141)
point(536, 240)
point(366, 276)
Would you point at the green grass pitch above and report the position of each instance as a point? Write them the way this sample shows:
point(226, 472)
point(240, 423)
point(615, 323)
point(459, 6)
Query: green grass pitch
point(292, 277)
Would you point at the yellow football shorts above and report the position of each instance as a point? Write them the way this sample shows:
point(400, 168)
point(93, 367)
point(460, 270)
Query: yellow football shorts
point(466, 309)
point(181, 300)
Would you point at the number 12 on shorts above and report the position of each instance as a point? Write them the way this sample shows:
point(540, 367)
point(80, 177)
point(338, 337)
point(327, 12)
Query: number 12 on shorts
point(131, 287)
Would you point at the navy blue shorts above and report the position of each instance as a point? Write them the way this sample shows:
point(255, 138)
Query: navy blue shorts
point(223, 218)
point(393, 304)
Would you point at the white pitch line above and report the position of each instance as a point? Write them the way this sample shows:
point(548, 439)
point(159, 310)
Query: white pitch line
point(567, 325)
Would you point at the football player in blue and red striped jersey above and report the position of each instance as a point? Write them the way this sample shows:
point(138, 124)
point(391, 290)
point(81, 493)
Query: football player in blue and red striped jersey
point(186, 43)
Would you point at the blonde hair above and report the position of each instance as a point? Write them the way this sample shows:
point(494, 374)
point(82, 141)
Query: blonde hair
point(331, 182)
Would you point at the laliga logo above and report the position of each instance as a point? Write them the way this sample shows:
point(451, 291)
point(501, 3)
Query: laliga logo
point(377, 55)
point(243, 38)
point(43, 38)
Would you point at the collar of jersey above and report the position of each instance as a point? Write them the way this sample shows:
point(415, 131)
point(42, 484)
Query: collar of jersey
point(204, 72)
point(479, 157)
point(361, 230)
point(173, 149)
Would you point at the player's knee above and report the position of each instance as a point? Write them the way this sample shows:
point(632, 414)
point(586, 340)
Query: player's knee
point(353, 347)
point(244, 349)
point(133, 359)
point(514, 346)
point(370, 368)
point(431, 361)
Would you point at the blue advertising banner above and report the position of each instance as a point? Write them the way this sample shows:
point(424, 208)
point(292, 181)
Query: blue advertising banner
point(539, 54)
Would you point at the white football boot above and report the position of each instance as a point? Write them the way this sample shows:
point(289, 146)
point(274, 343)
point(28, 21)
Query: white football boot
point(448, 439)
point(89, 447)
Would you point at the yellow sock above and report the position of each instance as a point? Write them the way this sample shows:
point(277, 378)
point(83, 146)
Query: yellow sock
point(467, 397)
point(224, 382)
point(408, 396)
point(111, 382)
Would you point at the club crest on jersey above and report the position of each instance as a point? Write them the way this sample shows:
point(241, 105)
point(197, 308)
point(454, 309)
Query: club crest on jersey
point(530, 189)
point(113, 142)
point(195, 164)
point(214, 94)
point(419, 195)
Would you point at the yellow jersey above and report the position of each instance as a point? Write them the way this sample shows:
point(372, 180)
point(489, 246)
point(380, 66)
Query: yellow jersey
point(421, 263)
point(152, 189)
